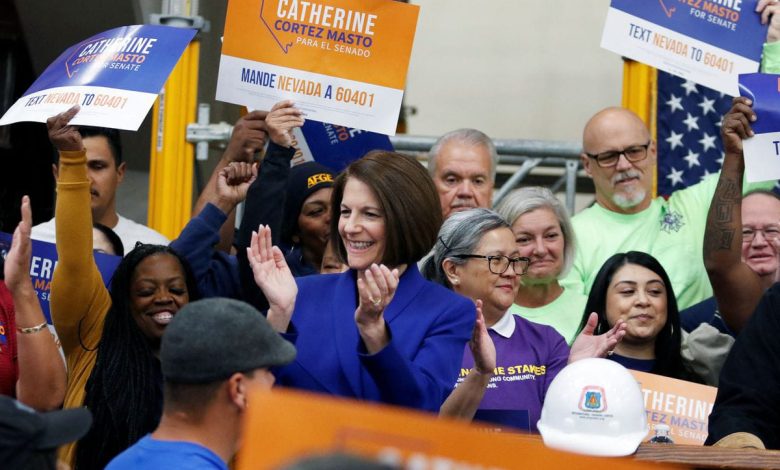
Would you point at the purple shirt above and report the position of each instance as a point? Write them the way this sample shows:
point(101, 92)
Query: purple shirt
point(528, 357)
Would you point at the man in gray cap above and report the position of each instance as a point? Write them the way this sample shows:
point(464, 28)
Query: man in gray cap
point(214, 353)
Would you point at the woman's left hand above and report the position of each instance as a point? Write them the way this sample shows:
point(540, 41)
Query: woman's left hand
point(375, 292)
point(587, 345)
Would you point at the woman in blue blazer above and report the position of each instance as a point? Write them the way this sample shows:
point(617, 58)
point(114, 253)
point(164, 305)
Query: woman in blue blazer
point(378, 331)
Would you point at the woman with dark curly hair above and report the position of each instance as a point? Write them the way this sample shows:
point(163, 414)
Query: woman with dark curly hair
point(110, 340)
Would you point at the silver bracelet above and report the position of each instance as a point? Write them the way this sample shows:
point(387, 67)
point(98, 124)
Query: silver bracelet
point(32, 329)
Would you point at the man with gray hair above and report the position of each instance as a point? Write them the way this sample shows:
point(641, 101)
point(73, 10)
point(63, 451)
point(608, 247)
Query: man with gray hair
point(214, 354)
point(462, 164)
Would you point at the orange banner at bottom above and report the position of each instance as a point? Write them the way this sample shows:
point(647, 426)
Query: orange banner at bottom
point(284, 426)
point(683, 406)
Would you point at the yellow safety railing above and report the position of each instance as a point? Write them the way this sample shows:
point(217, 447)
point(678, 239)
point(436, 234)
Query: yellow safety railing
point(172, 157)
point(640, 96)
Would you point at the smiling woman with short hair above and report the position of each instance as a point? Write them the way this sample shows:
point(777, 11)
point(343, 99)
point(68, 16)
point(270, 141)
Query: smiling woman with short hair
point(543, 234)
point(378, 331)
point(510, 361)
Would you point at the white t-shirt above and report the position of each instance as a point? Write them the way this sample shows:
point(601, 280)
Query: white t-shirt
point(128, 231)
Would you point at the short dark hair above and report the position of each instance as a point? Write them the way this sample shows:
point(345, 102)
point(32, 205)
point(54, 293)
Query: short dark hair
point(192, 398)
point(111, 135)
point(189, 398)
point(407, 197)
point(113, 238)
point(668, 360)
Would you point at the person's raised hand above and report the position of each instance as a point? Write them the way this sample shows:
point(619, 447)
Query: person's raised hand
point(768, 10)
point(249, 136)
point(273, 276)
point(481, 345)
point(17, 262)
point(281, 120)
point(64, 137)
point(736, 125)
point(589, 345)
point(233, 183)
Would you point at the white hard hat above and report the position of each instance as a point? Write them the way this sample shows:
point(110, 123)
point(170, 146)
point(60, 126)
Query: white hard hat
point(594, 407)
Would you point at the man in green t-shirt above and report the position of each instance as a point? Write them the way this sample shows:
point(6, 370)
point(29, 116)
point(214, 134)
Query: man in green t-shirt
point(620, 156)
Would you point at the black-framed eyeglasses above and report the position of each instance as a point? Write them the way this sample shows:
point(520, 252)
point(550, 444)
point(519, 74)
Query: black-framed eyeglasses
point(634, 153)
point(498, 264)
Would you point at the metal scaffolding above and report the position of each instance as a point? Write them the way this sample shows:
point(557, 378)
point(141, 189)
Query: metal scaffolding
point(525, 154)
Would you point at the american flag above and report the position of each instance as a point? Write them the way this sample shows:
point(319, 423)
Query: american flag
point(688, 132)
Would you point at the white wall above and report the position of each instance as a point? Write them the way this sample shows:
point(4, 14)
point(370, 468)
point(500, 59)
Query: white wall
point(511, 68)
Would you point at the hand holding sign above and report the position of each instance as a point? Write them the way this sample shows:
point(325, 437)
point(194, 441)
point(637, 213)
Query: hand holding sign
point(283, 118)
point(736, 125)
point(768, 10)
point(249, 136)
point(65, 138)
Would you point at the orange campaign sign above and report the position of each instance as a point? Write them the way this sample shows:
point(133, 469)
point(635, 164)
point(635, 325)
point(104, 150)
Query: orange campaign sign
point(341, 61)
point(283, 426)
point(684, 406)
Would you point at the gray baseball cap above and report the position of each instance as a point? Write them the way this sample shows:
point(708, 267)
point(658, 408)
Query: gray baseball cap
point(211, 339)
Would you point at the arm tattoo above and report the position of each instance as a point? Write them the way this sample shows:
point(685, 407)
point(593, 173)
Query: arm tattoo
point(721, 229)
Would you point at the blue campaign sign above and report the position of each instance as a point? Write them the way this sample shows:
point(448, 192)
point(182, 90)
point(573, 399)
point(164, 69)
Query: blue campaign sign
point(732, 25)
point(44, 260)
point(762, 151)
point(709, 42)
point(138, 58)
point(764, 90)
point(336, 146)
point(114, 76)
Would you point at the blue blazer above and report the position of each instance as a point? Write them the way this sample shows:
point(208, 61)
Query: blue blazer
point(429, 326)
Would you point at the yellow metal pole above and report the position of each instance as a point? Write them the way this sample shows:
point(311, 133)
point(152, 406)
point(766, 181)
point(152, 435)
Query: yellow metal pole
point(640, 96)
point(172, 157)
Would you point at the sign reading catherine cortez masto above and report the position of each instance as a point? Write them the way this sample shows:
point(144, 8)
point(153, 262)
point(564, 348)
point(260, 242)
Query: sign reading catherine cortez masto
point(114, 76)
point(709, 42)
point(341, 61)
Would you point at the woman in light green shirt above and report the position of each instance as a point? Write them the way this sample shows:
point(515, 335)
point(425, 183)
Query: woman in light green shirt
point(543, 233)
